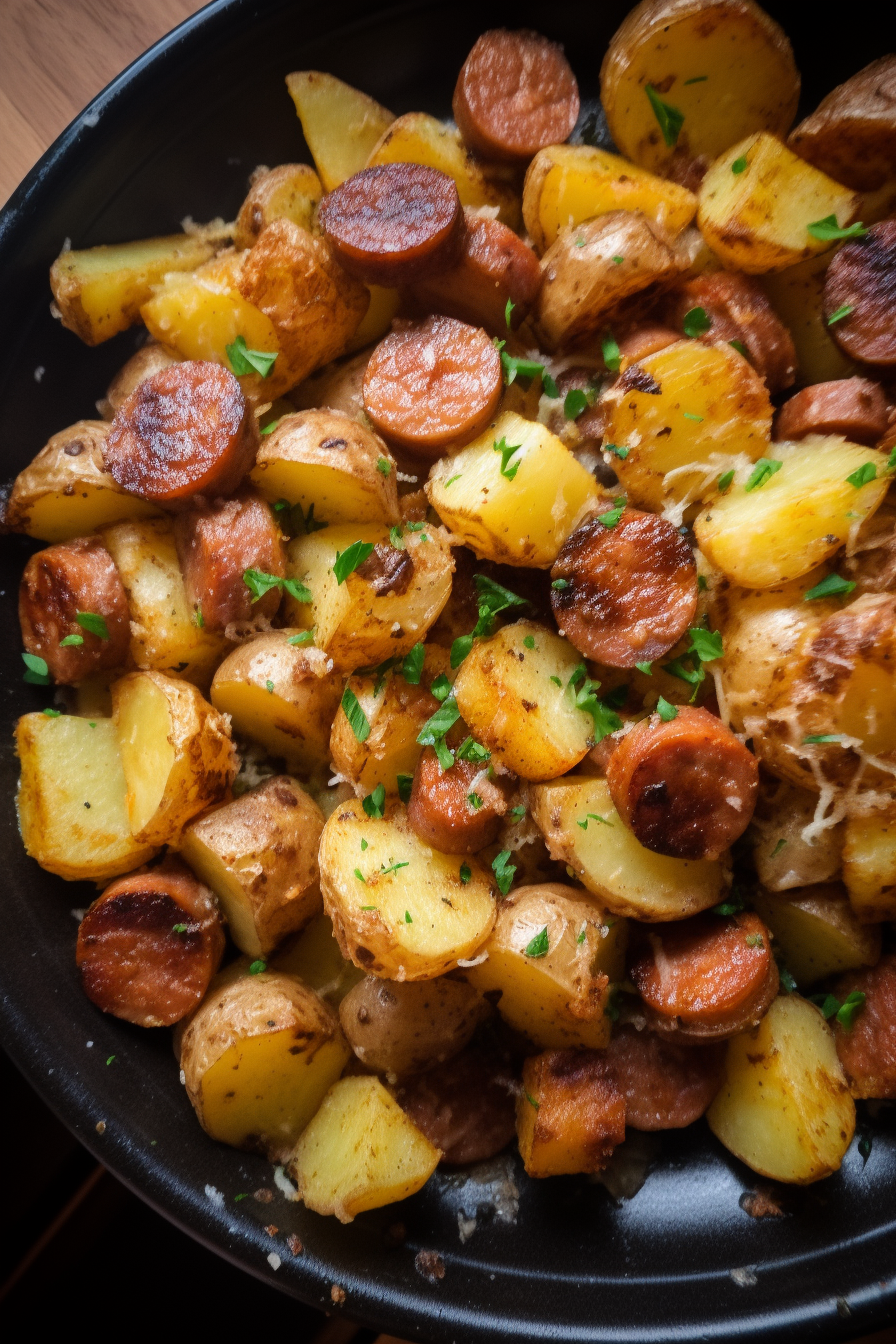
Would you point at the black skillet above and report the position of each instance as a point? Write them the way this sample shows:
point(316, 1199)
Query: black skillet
point(178, 134)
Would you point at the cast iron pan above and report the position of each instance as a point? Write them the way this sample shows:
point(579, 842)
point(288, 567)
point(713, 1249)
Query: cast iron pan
point(178, 134)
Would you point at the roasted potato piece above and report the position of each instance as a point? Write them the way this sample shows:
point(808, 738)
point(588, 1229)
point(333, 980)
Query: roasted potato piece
point(783, 859)
point(291, 191)
point(338, 387)
point(258, 854)
point(687, 414)
point(164, 633)
point(784, 1107)
point(71, 798)
point(258, 1056)
point(851, 135)
point(99, 291)
point(797, 296)
point(149, 359)
point(340, 124)
point(774, 524)
point(496, 503)
point(281, 694)
point(817, 933)
point(605, 856)
point(552, 956)
point(515, 692)
point(385, 605)
point(724, 66)
point(176, 753)
point(570, 1114)
point(360, 1152)
point(567, 184)
point(377, 321)
point(315, 957)
point(869, 864)
point(399, 909)
point(756, 220)
point(398, 1029)
point(328, 461)
point(66, 491)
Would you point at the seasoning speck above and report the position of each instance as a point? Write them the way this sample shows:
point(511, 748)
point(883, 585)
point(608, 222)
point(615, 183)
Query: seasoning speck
point(100, 1126)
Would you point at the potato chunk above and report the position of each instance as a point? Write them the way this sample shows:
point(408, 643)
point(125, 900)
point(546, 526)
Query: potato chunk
point(258, 1056)
point(869, 864)
point(176, 753)
point(514, 692)
point(399, 1029)
point(340, 124)
point(258, 854)
point(66, 491)
point(316, 958)
point(360, 1152)
point(399, 909)
point(784, 1107)
point(609, 861)
point(768, 529)
point(851, 135)
point(280, 694)
point(99, 291)
point(291, 191)
point(570, 1114)
point(567, 184)
point(385, 605)
point(71, 798)
point(756, 220)
point(520, 515)
point(783, 858)
point(325, 460)
point(706, 410)
point(797, 296)
point(817, 933)
point(552, 956)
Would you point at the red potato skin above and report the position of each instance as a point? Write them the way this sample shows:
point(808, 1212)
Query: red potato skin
point(394, 224)
point(515, 94)
point(739, 311)
point(465, 1107)
point(433, 383)
point(854, 407)
point(868, 1050)
point(132, 963)
point(78, 575)
point(862, 277)
point(439, 810)
point(665, 1085)
point(185, 431)
point(687, 788)
point(632, 589)
point(216, 543)
point(706, 978)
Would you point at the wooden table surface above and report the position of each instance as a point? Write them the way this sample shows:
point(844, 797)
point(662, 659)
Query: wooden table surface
point(54, 57)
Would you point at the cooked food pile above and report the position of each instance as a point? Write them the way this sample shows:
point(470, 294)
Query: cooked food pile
point(473, 621)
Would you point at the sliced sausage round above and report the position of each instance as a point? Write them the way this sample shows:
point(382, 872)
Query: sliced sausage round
point(631, 589)
point(862, 280)
point(854, 407)
point(686, 787)
point(394, 223)
point(74, 579)
point(457, 811)
point(708, 977)
point(867, 1049)
point(466, 1106)
point(495, 267)
point(216, 544)
point(645, 339)
point(433, 383)
point(665, 1085)
point(185, 431)
point(148, 948)
point(738, 310)
point(515, 94)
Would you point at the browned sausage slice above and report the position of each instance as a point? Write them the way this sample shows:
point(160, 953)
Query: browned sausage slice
point(457, 811)
point(665, 1085)
point(643, 340)
point(854, 407)
point(185, 431)
point(216, 544)
point(708, 977)
point(867, 1050)
point(434, 383)
point(687, 787)
point(394, 223)
point(74, 578)
point(862, 279)
point(148, 948)
point(495, 267)
point(739, 311)
point(631, 589)
point(465, 1107)
point(515, 94)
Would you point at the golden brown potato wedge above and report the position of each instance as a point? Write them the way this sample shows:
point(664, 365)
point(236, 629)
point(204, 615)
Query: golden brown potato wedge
point(291, 191)
point(817, 933)
point(869, 864)
point(570, 1115)
point(341, 125)
point(783, 858)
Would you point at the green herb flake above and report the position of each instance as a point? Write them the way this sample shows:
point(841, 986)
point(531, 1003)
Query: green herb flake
point(574, 403)
point(260, 583)
point(53, 713)
point(358, 721)
point(470, 750)
point(611, 1008)
point(198, 618)
point(865, 1144)
point(669, 119)
point(755, 940)
point(739, 165)
point(583, 934)
point(257, 967)
point(412, 665)
point(593, 816)
point(37, 673)
point(732, 906)
point(111, 1060)
point(237, 1198)
point(71, 641)
point(303, 637)
point(475, 801)
point(529, 641)
point(611, 353)
point(452, 479)
point(363, 844)
point(538, 946)
point(688, 415)
point(404, 784)
point(617, 449)
point(739, 347)
point(866, 472)
point(347, 561)
point(92, 623)
point(696, 322)
point(432, 734)
point(697, 79)
point(557, 682)
point(440, 687)
point(788, 984)
point(580, 242)
point(269, 428)
point(611, 518)
point(532, 1102)
point(517, 813)
point(270, 687)
point(384, 466)
point(666, 711)
point(560, 584)
point(526, 368)
point(818, 739)
point(508, 468)
point(508, 309)
point(707, 644)
point(617, 261)
point(702, 584)
point(375, 802)
point(778, 847)
point(386, 869)
point(504, 872)
point(843, 311)
point(830, 586)
point(724, 481)
point(646, 668)
point(178, 928)
point(465, 873)
point(243, 360)
point(827, 230)
point(361, 878)
point(850, 1008)
point(763, 471)
point(407, 917)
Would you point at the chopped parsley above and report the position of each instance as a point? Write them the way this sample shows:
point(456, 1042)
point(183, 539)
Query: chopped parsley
point(739, 165)
point(838, 315)
point(432, 734)
point(526, 368)
point(260, 583)
point(733, 906)
point(827, 230)
point(532, 1102)
point(407, 917)
point(452, 479)
point(404, 784)
point(383, 466)
point(830, 586)
point(71, 641)
point(666, 711)
point(817, 739)
point(696, 322)
point(866, 472)
point(755, 940)
point(243, 360)
point(504, 872)
point(560, 584)
point(617, 261)
point(375, 802)
point(845, 1012)
point(178, 928)
point(37, 672)
point(303, 637)
point(257, 967)
point(778, 847)
point(198, 618)
point(669, 119)
point(739, 347)
point(470, 750)
point(583, 934)
point(529, 641)
point(508, 309)
point(689, 415)
point(617, 449)
point(517, 813)
point(763, 471)
point(53, 713)
point(593, 816)
point(440, 687)
point(347, 561)
point(646, 668)
point(269, 685)
point(475, 801)
point(611, 352)
point(724, 481)
point(465, 873)
point(358, 721)
point(574, 403)
point(386, 869)
point(538, 946)
point(412, 665)
point(509, 469)
point(697, 79)
point(611, 518)
point(493, 599)
point(707, 644)
point(92, 623)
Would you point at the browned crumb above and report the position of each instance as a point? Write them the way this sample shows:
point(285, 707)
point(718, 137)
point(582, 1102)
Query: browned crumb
point(100, 1126)
point(430, 1265)
point(272, 1230)
point(761, 1203)
point(263, 1196)
point(337, 1294)
point(294, 1245)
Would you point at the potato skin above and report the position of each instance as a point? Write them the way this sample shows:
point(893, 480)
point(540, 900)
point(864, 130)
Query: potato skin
point(399, 1029)
point(851, 135)
point(289, 191)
